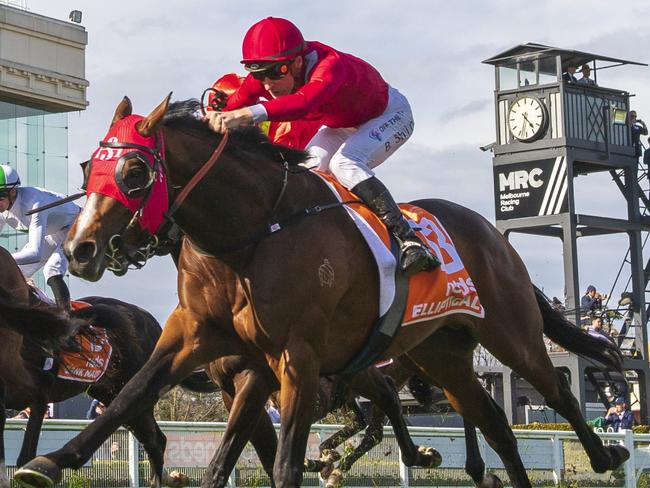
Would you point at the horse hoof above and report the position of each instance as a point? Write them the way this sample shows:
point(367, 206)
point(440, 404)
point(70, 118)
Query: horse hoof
point(430, 458)
point(490, 481)
point(335, 479)
point(40, 472)
point(330, 455)
point(313, 465)
point(619, 455)
point(175, 479)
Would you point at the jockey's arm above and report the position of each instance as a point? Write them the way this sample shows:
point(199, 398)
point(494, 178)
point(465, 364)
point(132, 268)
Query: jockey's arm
point(32, 251)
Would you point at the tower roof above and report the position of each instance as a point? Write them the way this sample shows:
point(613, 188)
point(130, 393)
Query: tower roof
point(570, 57)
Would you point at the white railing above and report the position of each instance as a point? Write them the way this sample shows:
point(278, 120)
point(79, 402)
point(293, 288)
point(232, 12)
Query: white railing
point(550, 457)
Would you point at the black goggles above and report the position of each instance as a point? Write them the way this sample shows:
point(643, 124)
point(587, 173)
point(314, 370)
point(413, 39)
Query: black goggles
point(273, 71)
point(4, 194)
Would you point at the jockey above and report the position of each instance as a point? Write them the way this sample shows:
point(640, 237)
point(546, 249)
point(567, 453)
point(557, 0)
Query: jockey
point(363, 119)
point(47, 230)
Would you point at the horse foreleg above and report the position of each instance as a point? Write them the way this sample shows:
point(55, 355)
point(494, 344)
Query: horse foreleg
point(379, 389)
point(298, 372)
point(247, 415)
point(176, 355)
point(32, 433)
point(146, 430)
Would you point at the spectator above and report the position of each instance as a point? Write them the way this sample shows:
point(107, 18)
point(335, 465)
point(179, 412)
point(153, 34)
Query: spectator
point(596, 327)
point(23, 414)
point(586, 73)
point(273, 411)
point(115, 449)
point(591, 301)
point(96, 409)
point(618, 416)
point(568, 75)
point(558, 305)
point(646, 155)
point(637, 129)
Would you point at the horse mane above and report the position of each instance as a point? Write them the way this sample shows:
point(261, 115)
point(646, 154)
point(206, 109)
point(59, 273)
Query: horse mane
point(183, 116)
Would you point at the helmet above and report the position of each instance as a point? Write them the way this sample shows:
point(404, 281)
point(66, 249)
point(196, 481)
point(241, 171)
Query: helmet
point(8, 177)
point(272, 39)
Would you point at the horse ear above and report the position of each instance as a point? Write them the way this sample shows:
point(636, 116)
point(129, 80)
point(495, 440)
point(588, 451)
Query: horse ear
point(147, 127)
point(123, 109)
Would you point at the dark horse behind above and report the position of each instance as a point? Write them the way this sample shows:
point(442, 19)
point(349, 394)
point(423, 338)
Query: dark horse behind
point(28, 335)
point(259, 296)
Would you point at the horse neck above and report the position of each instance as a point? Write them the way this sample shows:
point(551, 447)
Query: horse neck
point(233, 202)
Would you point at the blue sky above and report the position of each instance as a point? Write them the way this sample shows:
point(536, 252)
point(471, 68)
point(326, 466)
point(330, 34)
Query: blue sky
point(429, 50)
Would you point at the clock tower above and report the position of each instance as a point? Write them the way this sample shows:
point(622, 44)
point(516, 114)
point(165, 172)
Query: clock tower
point(550, 128)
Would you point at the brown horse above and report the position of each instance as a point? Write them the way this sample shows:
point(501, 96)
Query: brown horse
point(275, 311)
point(132, 332)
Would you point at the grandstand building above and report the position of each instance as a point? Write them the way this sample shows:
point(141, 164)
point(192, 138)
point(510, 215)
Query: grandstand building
point(42, 78)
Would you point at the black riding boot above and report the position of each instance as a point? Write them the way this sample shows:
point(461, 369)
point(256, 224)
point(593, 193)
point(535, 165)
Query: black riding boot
point(61, 292)
point(414, 255)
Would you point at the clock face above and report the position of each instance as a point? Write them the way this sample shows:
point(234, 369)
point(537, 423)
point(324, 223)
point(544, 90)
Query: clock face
point(527, 118)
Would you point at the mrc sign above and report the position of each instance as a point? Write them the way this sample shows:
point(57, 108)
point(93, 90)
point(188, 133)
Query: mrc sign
point(531, 189)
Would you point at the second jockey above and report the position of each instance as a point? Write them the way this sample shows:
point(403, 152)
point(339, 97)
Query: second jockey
point(46, 230)
point(364, 120)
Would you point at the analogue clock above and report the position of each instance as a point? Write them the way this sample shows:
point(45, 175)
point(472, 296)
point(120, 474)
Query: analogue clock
point(527, 118)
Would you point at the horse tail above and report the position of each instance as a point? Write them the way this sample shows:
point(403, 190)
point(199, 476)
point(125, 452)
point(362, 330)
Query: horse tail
point(574, 339)
point(199, 382)
point(47, 327)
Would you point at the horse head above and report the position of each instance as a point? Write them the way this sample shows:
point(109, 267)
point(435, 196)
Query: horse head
point(127, 196)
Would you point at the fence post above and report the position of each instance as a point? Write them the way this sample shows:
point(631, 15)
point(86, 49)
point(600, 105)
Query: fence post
point(558, 459)
point(630, 464)
point(134, 461)
point(403, 471)
point(321, 437)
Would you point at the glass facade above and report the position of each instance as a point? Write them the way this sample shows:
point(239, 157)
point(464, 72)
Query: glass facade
point(36, 143)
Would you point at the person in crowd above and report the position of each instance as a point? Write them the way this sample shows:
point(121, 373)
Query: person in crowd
point(586, 73)
point(273, 411)
point(557, 304)
point(23, 414)
point(591, 300)
point(364, 120)
point(95, 410)
point(637, 129)
point(619, 416)
point(46, 230)
point(597, 328)
point(569, 75)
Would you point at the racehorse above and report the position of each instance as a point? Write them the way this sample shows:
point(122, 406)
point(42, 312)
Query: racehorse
point(273, 308)
point(132, 333)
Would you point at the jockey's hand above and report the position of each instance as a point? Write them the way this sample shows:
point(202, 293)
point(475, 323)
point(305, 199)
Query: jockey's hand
point(221, 121)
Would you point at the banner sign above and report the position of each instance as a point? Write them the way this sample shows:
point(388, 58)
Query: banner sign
point(531, 189)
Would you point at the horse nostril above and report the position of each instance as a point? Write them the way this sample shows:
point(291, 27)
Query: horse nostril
point(84, 252)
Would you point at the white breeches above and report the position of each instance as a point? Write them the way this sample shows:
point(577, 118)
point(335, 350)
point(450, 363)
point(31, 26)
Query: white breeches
point(53, 261)
point(350, 153)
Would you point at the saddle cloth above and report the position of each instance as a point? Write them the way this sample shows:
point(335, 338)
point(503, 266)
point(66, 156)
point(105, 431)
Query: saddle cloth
point(447, 290)
point(90, 364)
